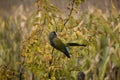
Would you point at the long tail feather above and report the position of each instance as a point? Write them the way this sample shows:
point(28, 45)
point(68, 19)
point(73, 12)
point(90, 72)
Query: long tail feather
point(75, 44)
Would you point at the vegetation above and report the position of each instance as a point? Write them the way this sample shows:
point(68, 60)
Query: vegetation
point(25, 52)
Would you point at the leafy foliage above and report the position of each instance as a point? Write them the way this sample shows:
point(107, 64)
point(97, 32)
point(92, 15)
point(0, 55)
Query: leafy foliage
point(99, 60)
point(95, 30)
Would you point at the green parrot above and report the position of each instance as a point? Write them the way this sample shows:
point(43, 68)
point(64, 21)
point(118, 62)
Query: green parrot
point(58, 44)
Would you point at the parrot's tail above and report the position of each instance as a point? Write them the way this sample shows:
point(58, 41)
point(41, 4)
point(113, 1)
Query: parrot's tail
point(67, 54)
point(75, 44)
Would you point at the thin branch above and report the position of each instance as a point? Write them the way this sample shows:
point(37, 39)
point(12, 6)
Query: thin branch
point(51, 61)
point(52, 56)
point(20, 73)
point(55, 24)
point(73, 2)
point(43, 26)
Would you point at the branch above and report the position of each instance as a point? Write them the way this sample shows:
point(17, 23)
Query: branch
point(55, 24)
point(69, 15)
point(43, 26)
point(52, 56)
point(49, 73)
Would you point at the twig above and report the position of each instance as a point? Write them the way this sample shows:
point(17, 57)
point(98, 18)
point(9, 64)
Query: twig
point(21, 69)
point(49, 74)
point(43, 26)
point(55, 24)
point(69, 15)
point(20, 73)
point(52, 56)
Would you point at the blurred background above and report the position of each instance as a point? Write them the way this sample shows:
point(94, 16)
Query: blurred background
point(104, 5)
point(18, 23)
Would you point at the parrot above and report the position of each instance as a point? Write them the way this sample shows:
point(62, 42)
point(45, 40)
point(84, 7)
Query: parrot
point(58, 44)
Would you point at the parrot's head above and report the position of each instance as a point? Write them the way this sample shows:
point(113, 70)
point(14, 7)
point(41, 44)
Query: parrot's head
point(52, 35)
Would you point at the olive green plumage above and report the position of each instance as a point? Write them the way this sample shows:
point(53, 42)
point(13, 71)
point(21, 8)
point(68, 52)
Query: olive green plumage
point(58, 44)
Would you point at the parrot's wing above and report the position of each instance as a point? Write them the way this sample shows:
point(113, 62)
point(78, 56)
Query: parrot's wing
point(58, 44)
